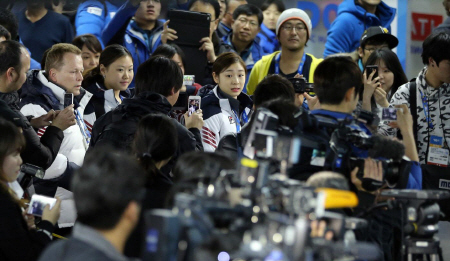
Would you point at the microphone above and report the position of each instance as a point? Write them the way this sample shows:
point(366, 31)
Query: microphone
point(387, 148)
point(335, 198)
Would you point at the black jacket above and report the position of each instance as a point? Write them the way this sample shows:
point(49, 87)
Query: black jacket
point(38, 151)
point(17, 242)
point(117, 127)
point(155, 198)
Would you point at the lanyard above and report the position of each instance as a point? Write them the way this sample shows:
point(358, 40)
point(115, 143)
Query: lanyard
point(238, 121)
point(300, 66)
point(84, 131)
point(426, 110)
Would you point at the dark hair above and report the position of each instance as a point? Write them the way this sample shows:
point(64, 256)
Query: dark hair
point(104, 186)
point(334, 77)
point(156, 139)
point(91, 42)
point(108, 56)
point(11, 140)
point(272, 87)
point(200, 165)
point(158, 74)
point(215, 4)
point(278, 3)
point(285, 110)
point(10, 52)
point(225, 60)
point(44, 57)
point(391, 61)
point(436, 47)
point(169, 51)
point(248, 10)
point(9, 21)
point(4, 33)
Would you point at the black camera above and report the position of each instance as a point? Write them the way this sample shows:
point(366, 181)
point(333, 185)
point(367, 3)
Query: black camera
point(393, 172)
point(27, 173)
point(302, 86)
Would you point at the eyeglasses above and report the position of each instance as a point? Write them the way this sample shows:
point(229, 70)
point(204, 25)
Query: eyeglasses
point(370, 50)
point(245, 21)
point(289, 28)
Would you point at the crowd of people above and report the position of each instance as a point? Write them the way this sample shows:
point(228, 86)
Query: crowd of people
point(89, 96)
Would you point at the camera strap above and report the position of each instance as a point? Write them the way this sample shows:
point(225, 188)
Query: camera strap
point(300, 66)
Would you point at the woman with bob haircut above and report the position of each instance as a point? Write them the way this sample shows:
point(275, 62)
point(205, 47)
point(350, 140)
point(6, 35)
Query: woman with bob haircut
point(377, 91)
point(20, 238)
point(90, 48)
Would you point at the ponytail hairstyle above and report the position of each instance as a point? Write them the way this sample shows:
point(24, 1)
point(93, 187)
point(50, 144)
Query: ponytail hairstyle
point(11, 140)
point(156, 140)
point(108, 56)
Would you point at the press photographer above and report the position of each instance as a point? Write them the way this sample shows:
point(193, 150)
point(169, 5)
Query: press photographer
point(337, 85)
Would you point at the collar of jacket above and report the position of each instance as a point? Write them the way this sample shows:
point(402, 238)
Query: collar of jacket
point(11, 99)
point(98, 90)
point(38, 84)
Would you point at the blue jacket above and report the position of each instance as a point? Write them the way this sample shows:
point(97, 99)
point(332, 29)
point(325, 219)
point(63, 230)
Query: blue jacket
point(350, 23)
point(268, 40)
point(415, 175)
point(93, 16)
point(121, 31)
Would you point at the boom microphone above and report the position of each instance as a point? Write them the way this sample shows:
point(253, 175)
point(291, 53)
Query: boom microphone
point(387, 148)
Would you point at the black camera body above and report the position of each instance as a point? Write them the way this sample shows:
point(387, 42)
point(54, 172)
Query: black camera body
point(301, 85)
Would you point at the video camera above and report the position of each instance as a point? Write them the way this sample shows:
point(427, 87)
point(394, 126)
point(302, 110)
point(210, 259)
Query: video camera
point(272, 222)
point(346, 141)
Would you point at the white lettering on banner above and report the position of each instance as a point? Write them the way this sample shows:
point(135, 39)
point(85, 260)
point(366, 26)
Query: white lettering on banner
point(95, 10)
point(444, 184)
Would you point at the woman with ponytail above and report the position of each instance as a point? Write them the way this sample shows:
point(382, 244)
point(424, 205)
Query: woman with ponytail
point(109, 81)
point(20, 239)
point(155, 142)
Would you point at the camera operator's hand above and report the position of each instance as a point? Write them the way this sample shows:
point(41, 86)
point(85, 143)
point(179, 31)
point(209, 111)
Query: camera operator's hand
point(318, 230)
point(372, 170)
point(52, 215)
point(370, 85)
point(380, 97)
point(313, 102)
point(43, 121)
point(208, 47)
point(65, 118)
point(195, 120)
point(168, 34)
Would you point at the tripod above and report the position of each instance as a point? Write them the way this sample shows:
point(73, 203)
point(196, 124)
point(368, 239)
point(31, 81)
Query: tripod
point(421, 249)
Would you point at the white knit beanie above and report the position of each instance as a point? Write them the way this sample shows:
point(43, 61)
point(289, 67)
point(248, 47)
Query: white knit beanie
point(295, 13)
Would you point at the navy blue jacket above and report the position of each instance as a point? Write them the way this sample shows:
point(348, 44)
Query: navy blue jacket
point(121, 31)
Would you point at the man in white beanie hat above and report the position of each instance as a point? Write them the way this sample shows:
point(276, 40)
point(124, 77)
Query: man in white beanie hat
point(293, 31)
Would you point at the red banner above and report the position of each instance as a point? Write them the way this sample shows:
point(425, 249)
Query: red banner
point(423, 25)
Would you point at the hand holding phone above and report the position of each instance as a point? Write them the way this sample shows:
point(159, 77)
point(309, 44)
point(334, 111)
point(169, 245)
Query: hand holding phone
point(389, 114)
point(193, 104)
point(371, 69)
point(38, 203)
point(68, 99)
